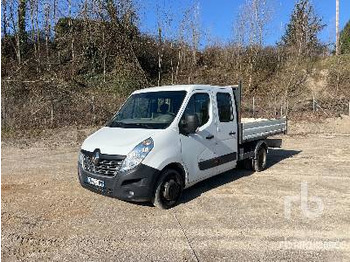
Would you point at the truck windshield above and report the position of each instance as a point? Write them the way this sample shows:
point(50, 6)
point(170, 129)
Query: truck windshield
point(153, 110)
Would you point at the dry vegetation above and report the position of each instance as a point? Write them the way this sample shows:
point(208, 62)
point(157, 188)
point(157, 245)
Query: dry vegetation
point(72, 63)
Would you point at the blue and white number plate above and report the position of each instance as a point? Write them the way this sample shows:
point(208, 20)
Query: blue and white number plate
point(95, 182)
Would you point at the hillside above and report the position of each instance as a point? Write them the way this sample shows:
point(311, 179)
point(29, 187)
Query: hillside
point(77, 70)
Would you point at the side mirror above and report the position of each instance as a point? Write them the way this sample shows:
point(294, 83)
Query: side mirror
point(189, 125)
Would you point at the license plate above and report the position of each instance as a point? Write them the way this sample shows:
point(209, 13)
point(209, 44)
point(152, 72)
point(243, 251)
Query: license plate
point(95, 182)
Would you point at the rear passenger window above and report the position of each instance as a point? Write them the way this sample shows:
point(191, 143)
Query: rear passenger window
point(199, 105)
point(224, 102)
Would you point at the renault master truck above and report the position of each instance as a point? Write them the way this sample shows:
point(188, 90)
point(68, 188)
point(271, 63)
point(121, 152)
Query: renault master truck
point(166, 139)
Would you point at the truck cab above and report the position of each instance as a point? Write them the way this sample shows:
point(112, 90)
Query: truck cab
point(166, 139)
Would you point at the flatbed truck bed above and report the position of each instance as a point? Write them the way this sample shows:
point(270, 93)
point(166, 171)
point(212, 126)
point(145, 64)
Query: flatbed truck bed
point(256, 129)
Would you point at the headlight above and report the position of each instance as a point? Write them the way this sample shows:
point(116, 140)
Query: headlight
point(135, 157)
point(81, 157)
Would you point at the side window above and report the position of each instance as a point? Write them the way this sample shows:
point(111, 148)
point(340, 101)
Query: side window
point(224, 102)
point(199, 105)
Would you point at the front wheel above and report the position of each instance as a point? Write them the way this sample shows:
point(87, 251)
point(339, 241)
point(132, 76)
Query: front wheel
point(168, 190)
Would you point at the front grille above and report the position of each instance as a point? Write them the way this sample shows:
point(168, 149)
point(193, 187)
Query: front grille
point(107, 166)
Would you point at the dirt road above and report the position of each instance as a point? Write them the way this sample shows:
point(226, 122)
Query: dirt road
point(237, 216)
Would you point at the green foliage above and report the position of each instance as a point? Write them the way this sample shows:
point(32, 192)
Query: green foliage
point(345, 39)
point(301, 36)
point(338, 68)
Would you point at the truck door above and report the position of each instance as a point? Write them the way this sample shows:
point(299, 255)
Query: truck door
point(226, 140)
point(198, 150)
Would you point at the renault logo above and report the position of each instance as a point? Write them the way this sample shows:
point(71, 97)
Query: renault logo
point(96, 157)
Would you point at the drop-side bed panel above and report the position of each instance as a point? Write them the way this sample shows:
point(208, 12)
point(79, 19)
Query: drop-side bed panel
point(260, 129)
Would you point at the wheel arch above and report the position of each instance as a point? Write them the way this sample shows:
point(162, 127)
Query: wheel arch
point(261, 143)
point(179, 168)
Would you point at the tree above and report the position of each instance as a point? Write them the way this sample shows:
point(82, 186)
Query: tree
point(33, 8)
point(345, 39)
point(4, 17)
point(22, 36)
point(300, 37)
point(250, 28)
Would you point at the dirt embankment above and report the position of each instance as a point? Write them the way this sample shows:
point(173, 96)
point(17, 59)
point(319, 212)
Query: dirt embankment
point(338, 125)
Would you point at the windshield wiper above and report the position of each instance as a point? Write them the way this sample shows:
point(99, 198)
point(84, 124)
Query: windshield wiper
point(143, 125)
point(117, 124)
point(130, 125)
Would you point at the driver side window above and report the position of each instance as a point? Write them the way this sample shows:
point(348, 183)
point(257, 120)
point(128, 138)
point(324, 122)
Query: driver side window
point(199, 105)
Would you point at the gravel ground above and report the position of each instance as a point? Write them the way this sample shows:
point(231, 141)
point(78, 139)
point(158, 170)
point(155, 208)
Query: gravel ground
point(236, 216)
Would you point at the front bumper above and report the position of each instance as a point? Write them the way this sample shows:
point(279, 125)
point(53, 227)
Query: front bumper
point(135, 185)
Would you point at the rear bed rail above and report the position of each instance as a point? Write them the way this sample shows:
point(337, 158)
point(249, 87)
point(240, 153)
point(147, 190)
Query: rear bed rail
point(261, 129)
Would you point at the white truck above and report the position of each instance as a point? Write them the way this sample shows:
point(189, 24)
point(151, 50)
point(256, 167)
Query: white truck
point(166, 139)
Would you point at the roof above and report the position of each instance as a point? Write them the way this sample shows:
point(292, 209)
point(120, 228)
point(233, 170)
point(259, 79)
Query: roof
point(187, 88)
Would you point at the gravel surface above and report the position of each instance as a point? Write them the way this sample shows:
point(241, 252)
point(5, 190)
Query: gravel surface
point(236, 216)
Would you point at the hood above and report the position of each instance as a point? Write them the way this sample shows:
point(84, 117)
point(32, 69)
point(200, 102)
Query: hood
point(117, 141)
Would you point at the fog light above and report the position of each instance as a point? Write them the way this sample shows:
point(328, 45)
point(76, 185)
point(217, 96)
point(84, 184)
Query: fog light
point(131, 193)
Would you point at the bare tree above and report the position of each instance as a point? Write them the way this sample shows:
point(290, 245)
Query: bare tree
point(4, 17)
point(32, 9)
point(251, 28)
point(70, 24)
point(188, 41)
point(179, 57)
point(13, 26)
point(163, 24)
point(195, 38)
point(22, 37)
point(47, 32)
point(160, 55)
point(55, 11)
point(37, 30)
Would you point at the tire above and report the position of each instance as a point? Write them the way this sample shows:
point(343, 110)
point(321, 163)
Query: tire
point(168, 190)
point(259, 162)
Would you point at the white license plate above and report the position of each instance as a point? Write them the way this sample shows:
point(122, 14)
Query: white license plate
point(95, 182)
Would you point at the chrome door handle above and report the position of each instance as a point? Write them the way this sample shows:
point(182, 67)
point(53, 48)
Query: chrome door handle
point(232, 133)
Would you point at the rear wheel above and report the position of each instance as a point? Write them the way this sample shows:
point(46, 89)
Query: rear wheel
point(259, 162)
point(168, 190)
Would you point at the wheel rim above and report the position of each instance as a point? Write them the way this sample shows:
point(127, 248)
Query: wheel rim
point(171, 190)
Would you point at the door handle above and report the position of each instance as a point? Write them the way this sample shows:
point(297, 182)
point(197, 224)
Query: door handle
point(210, 137)
point(232, 133)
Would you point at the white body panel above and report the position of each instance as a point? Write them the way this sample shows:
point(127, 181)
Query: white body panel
point(168, 149)
point(117, 141)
